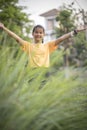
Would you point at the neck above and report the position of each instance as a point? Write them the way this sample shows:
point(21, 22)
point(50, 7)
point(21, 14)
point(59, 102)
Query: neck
point(38, 42)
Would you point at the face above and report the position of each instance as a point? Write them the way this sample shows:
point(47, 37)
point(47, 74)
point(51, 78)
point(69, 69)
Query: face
point(38, 35)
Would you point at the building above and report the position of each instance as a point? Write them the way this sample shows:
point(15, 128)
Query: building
point(50, 23)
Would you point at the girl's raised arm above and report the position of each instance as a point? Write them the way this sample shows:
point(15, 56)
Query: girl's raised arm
point(12, 34)
point(68, 35)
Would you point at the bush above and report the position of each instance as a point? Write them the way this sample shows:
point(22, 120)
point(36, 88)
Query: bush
point(40, 99)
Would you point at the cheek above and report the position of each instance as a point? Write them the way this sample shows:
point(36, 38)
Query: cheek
point(33, 35)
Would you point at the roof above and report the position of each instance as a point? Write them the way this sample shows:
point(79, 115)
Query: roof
point(52, 12)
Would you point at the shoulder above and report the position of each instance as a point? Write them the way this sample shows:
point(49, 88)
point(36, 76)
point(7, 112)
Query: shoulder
point(25, 45)
point(26, 42)
point(51, 43)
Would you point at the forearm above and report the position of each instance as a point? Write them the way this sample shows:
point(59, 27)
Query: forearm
point(68, 35)
point(64, 37)
point(12, 34)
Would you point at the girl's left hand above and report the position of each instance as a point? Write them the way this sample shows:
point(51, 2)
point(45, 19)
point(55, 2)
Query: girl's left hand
point(82, 29)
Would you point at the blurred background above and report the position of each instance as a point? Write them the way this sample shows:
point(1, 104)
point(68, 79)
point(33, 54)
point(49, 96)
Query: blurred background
point(44, 6)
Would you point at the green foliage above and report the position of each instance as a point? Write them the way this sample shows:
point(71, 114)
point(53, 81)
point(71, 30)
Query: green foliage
point(40, 99)
point(10, 11)
point(64, 18)
point(66, 22)
point(57, 59)
point(81, 46)
point(77, 48)
point(13, 17)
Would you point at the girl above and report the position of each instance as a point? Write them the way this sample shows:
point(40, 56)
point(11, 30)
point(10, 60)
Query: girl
point(38, 52)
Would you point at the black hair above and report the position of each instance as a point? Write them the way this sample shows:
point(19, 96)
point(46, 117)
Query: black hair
point(40, 26)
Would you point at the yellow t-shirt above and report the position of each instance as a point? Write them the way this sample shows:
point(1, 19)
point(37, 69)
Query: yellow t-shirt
point(39, 53)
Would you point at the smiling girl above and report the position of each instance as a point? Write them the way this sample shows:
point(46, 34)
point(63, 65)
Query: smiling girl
point(38, 51)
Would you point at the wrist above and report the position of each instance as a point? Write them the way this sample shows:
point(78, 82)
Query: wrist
point(73, 33)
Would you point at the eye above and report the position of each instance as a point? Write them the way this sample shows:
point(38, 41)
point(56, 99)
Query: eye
point(36, 32)
point(41, 33)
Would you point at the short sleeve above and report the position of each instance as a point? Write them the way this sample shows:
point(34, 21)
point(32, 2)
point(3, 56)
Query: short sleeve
point(52, 46)
point(25, 46)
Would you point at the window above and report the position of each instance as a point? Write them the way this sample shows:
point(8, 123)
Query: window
point(50, 24)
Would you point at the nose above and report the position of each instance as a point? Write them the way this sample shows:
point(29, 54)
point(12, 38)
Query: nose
point(38, 34)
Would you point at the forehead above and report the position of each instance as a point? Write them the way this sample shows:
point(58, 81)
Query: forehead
point(39, 29)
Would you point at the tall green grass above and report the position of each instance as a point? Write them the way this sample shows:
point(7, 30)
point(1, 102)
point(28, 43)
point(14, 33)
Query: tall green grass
point(40, 99)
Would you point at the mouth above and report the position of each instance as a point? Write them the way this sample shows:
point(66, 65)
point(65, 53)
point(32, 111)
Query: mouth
point(38, 37)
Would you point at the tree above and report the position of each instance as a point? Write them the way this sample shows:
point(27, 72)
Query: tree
point(66, 22)
point(12, 15)
point(74, 54)
point(81, 47)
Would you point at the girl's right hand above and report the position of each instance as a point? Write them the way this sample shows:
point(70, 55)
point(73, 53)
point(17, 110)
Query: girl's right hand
point(1, 26)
